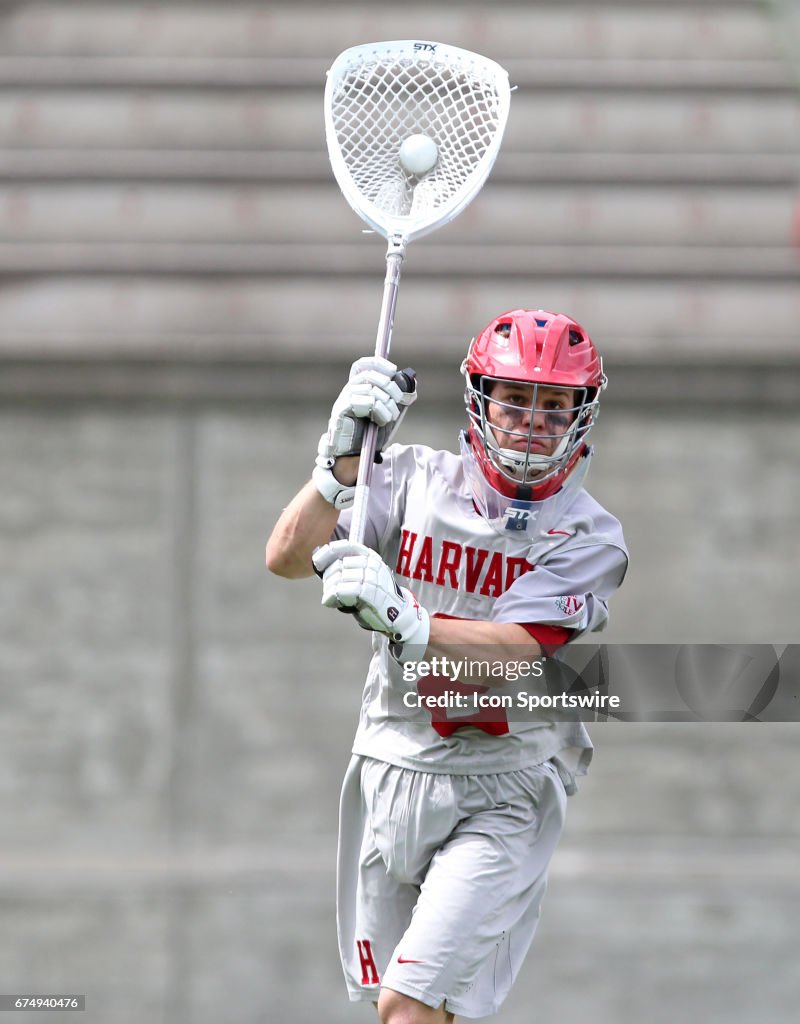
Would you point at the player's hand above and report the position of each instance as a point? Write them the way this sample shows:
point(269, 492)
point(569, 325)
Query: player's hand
point(355, 578)
point(375, 391)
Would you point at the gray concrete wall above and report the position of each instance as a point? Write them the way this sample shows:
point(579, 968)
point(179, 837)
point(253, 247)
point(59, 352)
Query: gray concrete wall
point(176, 721)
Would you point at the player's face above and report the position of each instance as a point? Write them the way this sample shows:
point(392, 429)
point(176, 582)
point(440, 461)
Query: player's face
point(512, 408)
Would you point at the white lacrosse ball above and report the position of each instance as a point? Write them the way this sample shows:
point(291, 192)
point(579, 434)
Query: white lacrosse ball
point(418, 154)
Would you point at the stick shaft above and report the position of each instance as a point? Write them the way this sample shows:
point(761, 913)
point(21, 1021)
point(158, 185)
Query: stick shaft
point(394, 259)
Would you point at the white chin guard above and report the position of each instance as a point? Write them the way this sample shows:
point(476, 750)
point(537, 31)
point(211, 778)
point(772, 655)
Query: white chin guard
point(526, 467)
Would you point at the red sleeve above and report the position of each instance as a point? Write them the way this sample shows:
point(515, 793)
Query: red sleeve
point(549, 638)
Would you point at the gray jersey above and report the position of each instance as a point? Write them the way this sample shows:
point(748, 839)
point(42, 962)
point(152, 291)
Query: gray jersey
point(422, 521)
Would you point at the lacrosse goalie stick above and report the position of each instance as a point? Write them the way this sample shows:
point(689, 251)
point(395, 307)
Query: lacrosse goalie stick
point(413, 129)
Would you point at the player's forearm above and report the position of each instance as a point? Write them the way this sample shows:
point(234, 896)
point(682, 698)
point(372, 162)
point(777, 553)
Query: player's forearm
point(306, 523)
point(480, 641)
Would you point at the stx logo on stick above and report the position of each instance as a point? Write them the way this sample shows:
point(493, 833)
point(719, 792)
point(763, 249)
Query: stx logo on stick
point(425, 47)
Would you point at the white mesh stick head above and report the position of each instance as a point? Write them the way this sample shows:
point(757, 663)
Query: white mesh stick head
point(379, 94)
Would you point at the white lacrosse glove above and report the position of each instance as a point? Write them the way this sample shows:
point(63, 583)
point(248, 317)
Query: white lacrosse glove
point(375, 391)
point(356, 579)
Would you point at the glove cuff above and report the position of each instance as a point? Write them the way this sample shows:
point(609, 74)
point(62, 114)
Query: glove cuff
point(409, 643)
point(335, 493)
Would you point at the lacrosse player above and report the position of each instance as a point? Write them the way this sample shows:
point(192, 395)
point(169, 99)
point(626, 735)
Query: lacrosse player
point(448, 821)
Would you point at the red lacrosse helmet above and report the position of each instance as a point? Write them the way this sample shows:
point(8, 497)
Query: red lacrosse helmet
point(533, 382)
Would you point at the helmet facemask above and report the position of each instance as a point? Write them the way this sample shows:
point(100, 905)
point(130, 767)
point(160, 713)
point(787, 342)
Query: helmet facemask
point(529, 432)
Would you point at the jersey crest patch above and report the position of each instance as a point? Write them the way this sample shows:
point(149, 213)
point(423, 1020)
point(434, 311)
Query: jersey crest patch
point(570, 604)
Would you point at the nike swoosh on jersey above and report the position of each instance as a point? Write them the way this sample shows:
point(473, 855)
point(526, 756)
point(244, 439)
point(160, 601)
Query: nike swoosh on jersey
point(560, 533)
point(404, 960)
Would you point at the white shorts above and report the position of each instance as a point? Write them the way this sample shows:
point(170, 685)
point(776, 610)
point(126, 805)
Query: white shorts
point(441, 878)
